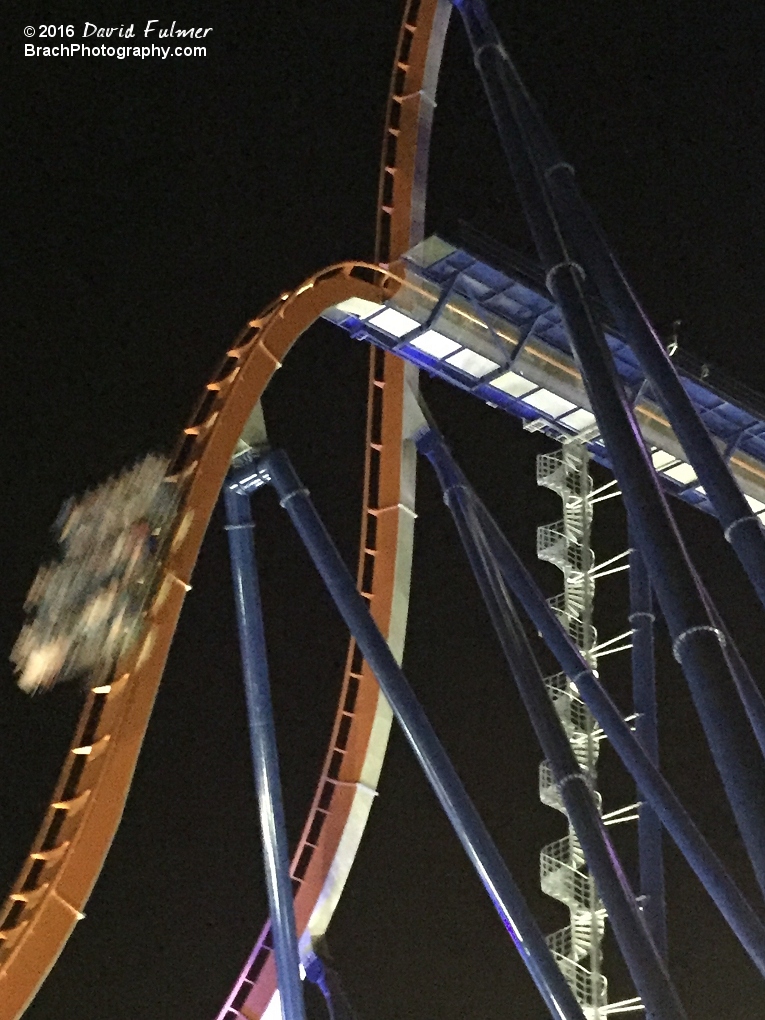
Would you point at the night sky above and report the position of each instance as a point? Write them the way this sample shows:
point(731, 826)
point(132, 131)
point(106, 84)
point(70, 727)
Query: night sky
point(150, 209)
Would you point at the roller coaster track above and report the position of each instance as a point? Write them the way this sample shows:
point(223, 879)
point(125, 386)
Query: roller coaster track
point(60, 870)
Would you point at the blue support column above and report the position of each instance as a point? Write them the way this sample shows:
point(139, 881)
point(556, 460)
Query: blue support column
point(647, 733)
point(732, 904)
point(264, 753)
point(740, 525)
point(697, 642)
point(748, 690)
point(441, 774)
point(578, 222)
point(644, 962)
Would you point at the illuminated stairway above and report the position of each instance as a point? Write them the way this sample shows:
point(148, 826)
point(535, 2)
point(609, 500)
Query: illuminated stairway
point(563, 871)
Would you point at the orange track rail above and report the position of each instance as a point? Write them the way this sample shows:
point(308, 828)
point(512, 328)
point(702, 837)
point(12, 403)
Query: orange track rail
point(66, 858)
point(400, 225)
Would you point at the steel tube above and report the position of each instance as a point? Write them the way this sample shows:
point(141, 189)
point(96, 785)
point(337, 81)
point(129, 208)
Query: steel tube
point(732, 904)
point(438, 768)
point(265, 759)
point(644, 962)
point(741, 526)
point(696, 641)
point(748, 690)
point(651, 858)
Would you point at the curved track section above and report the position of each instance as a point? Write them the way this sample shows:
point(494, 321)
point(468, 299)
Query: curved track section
point(59, 873)
point(66, 858)
point(400, 225)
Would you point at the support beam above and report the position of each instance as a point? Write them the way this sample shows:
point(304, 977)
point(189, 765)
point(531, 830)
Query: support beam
point(732, 904)
point(646, 967)
point(579, 224)
point(430, 753)
point(647, 733)
point(697, 642)
point(264, 753)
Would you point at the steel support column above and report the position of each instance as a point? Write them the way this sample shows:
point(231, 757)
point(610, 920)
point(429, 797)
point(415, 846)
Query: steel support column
point(647, 733)
point(741, 526)
point(732, 904)
point(697, 643)
point(437, 766)
point(264, 753)
point(646, 967)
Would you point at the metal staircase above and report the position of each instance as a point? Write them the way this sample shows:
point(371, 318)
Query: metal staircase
point(563, 869)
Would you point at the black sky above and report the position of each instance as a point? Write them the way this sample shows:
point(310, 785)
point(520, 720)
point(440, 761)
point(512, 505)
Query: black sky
point(150, 209)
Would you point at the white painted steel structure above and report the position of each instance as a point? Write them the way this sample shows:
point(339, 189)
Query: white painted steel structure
point(563, 872)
